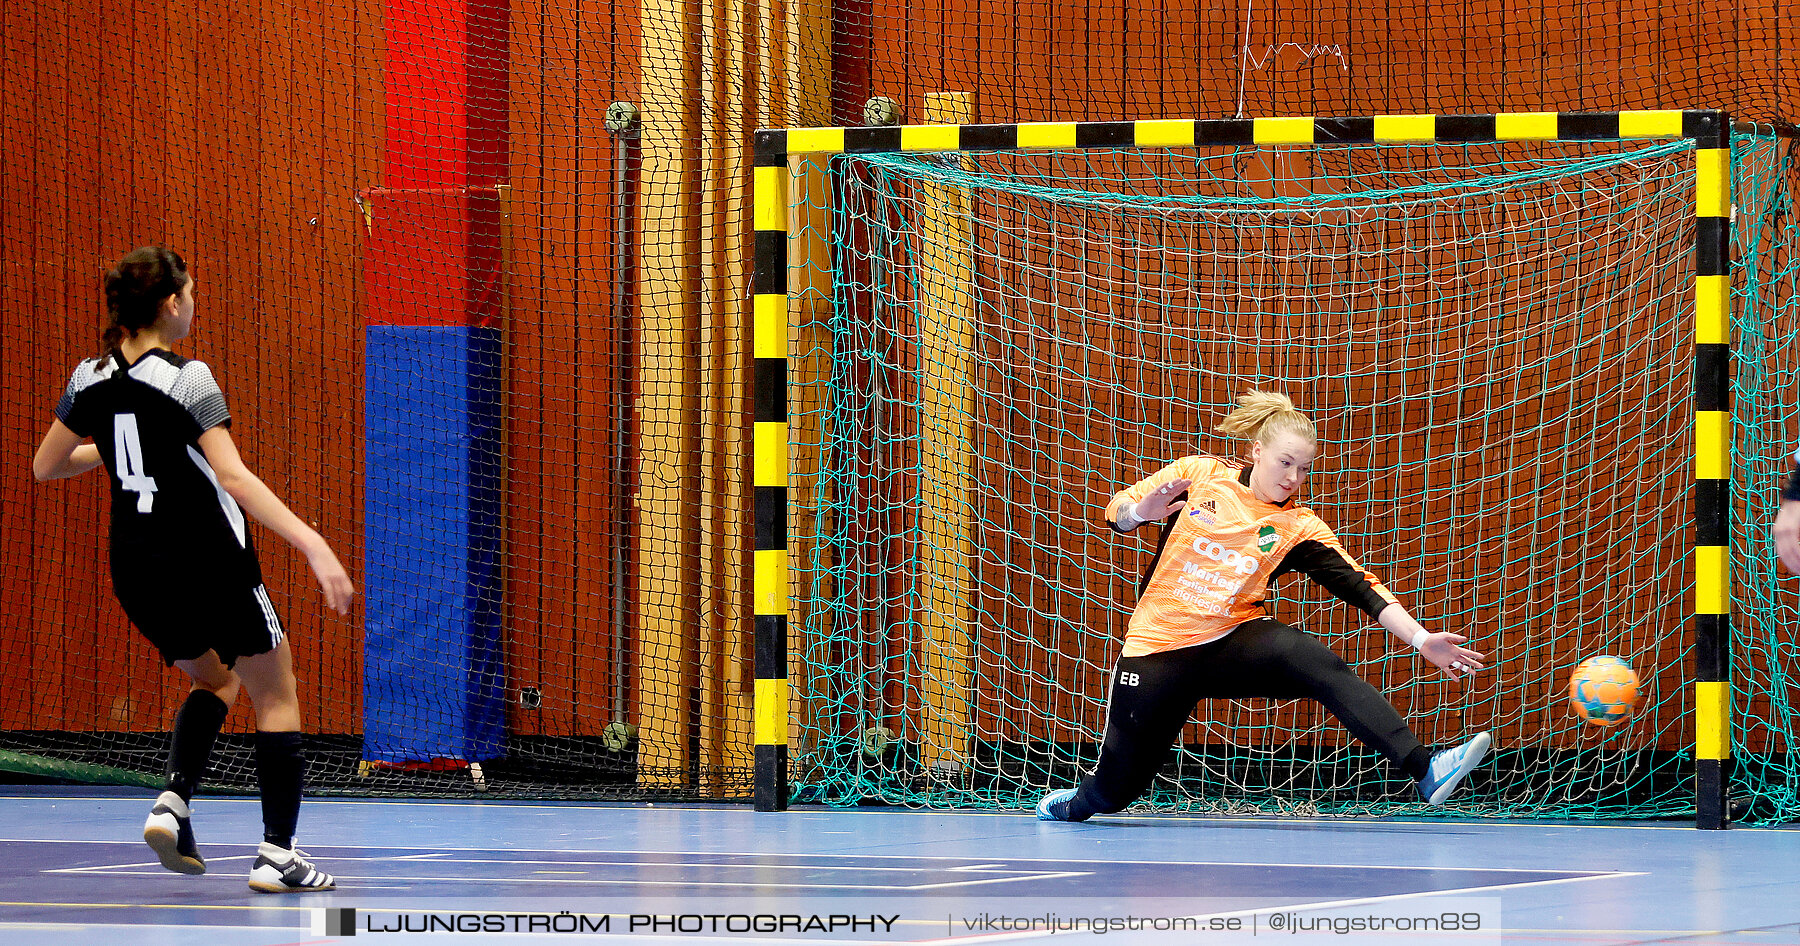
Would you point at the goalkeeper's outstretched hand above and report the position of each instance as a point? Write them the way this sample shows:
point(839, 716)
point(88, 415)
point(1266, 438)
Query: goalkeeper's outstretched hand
point(1787, 535)
point(1159, 502)
point(1445, 651)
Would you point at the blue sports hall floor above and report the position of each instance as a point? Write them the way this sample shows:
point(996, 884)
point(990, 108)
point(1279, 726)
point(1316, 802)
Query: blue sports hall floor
point(74, 870)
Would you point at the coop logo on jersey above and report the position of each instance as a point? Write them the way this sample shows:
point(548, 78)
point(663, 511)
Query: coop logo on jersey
point(1230, 558)
point(1265, 540)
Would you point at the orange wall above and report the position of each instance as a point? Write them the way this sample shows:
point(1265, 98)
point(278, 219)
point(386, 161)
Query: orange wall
point(1037, 60)
point(247, 159)
point(235, 135)
point(569, 61)
point(239, 133)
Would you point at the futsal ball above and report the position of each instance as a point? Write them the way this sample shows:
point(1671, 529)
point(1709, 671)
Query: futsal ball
point(1604, 690)
point(881, 110)
point(875, 741)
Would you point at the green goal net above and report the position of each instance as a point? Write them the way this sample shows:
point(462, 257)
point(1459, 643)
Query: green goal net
point(1496, 341)
point(1766, 407)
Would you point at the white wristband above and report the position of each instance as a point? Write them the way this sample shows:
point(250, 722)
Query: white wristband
point(1127, 519)
point(1418, 640)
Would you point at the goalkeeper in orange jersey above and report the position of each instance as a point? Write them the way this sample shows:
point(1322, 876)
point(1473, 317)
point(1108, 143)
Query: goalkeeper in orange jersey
point(1200, 632)
point(1787, 521)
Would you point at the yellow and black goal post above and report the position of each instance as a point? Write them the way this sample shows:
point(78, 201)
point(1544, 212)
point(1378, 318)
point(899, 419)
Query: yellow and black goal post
point(778, 163)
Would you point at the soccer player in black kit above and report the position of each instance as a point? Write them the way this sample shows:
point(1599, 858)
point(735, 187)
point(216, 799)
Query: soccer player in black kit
point(183, 563)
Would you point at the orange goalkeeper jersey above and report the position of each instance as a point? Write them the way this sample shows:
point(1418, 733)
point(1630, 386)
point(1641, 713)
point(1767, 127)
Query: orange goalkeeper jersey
point(1214, 566)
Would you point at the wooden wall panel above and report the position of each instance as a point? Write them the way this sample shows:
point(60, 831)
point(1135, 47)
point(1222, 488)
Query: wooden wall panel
point(280, 251)
point(1485, 59)
point(79, 147)
point(564, 362)
point(247, 159)
point(538, 37)
point(300, 26)
point(20, 404)
point(58, 597)
point(1139, 59)
point(932, 59)
point(244, 162)
point(596, 612)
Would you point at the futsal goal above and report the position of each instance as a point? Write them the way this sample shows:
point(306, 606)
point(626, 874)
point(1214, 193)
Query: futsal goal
point(1513, 331)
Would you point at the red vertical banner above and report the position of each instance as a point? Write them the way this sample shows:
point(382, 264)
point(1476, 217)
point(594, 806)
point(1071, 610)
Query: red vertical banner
point(432, 254)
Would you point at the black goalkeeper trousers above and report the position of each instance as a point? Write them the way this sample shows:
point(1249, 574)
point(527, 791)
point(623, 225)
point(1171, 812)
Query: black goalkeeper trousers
point(1153, 695)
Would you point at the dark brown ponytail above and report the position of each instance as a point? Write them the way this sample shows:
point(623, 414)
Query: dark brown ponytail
point(135, 290)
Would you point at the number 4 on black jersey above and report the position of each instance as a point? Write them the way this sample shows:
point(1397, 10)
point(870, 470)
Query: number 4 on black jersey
point(183, 563)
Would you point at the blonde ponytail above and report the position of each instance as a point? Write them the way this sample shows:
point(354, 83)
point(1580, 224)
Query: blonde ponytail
point(1263, 416)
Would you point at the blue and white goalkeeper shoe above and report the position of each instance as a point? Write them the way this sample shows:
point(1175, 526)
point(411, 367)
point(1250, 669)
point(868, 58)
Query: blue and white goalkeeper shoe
point(1449, 767)
point(1054, 805)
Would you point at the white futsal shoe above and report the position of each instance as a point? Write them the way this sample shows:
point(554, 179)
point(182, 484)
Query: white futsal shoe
point(171, 836)
point(279, 870)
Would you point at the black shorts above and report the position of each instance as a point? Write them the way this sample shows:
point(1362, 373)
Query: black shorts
point(1153, 695)
point(185, 615)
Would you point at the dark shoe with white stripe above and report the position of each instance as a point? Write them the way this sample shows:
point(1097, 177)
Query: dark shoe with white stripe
point(171, 836)
point(279, 870)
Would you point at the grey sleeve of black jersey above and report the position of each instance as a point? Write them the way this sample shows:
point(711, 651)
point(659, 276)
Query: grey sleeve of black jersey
point(196, 390)
point(66, 410)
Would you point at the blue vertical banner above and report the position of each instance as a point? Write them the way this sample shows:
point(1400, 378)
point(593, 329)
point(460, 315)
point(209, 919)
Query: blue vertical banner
point(433, 676)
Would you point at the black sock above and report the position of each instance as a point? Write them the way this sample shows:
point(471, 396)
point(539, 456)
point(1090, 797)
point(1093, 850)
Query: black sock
point(1416, 763)
point(190, 746)
point(280, 774)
